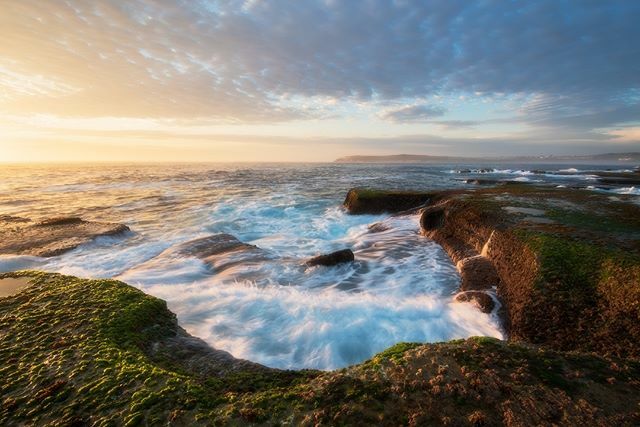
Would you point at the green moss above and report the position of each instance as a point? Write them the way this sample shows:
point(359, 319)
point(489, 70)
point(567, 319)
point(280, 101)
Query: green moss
point(76, 351)
point(368, 193)
point(591, 221)
point(575, 265)
point(396, 352)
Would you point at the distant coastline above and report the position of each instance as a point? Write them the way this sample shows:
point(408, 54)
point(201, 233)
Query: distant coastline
point(613, 158)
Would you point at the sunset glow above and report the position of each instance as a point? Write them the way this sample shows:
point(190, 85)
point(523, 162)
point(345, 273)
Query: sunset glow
point(270, 81)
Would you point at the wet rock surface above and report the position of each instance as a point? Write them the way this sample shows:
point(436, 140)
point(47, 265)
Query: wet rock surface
point(100, 352)
point(482, 300)
point(51, 237)
point(366, 201)
point(334, 258)
point(563, 260)
point(219, 251)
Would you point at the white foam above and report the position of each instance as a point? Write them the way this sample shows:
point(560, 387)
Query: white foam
point(292, 327)
point(278, 312)
point(628, 190)
point(283, 314)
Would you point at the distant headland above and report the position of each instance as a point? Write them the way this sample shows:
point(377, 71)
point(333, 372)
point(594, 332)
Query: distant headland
point(417, 158)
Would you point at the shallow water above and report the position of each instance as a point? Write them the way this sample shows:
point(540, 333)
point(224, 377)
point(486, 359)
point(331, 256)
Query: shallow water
point(10, 286)
point(281, 313)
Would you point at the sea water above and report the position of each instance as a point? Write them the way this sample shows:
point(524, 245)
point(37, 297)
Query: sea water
point(282, 314)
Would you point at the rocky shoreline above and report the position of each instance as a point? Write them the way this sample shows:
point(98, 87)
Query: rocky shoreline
point(564, 265)
point(52, 236)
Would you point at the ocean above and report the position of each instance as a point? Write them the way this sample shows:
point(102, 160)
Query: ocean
point(279, 313)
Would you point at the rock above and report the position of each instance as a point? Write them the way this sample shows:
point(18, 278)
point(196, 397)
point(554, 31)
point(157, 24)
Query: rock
point(366, 201)
point(51, 237)
point(477, 273)
point(9, 218)
point(334, 258)
point(378, 227)
point(478, 181)
point(432, 218)
point(147, 362)
point(220, 251)
point(51, 222)
point(551, 277)
point(482, 300)
point(617, 178)
point(631, 180)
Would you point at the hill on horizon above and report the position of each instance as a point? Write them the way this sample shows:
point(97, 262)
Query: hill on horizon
point(420, 158)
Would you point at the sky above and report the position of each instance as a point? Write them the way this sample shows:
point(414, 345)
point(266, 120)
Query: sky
point(307, 80)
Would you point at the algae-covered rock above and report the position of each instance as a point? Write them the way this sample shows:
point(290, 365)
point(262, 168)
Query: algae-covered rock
point(368, 201)
point(51, 237)
point(99, 352)
point(566, 262)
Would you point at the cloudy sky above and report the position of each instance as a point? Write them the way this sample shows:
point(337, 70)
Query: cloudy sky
point(185, 80)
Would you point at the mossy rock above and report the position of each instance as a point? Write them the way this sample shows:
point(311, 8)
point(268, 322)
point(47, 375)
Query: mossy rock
point(371, 201)
point(83, 352)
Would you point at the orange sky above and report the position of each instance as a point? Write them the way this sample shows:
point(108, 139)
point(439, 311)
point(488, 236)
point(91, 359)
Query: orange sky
point(267, 81)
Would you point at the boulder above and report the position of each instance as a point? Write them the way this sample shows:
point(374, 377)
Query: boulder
point(378, 227)
point(477, 273)
point(220, 251)
point(51, 237)
point(479, 181)
point(334, 258)
point(482, 300)
point(366, 201)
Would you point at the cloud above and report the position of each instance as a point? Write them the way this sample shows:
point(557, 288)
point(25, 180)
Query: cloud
point(630, 134)
point(457, 124)
point(413, 113)
point(573, 63)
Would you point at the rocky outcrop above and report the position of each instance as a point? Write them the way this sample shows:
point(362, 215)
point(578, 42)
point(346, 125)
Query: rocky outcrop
point(562, 261)
point(100, 352)
point(366, 201)
point(51, 237)
point(482, 300)
point(219, 251)
point(334, 258)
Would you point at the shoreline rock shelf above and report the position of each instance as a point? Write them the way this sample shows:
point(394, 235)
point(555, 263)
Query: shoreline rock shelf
point(568, 277)
point(51, 237)
point(100, 352)
point(368, 201)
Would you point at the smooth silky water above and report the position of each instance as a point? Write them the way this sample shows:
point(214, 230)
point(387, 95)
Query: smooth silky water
point(279, 313)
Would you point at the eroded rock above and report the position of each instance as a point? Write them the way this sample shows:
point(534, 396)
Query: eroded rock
point(482, 300)
point(51, 237)
point(562, 261)
point(477, 273)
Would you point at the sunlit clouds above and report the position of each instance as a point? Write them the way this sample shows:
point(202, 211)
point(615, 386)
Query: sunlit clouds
point(314, 80)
